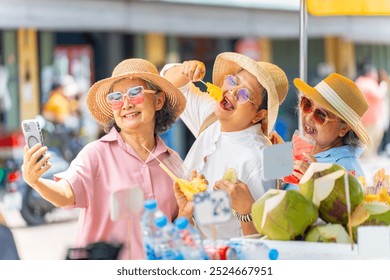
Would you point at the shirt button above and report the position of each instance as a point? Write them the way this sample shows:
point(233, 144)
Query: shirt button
point(144, 165)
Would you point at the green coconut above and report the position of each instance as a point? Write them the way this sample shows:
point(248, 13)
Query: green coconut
point(230, 175)
point(333, 233)
point(283, 215)
point(324, 184)
point(258, 208)
point(369, 214)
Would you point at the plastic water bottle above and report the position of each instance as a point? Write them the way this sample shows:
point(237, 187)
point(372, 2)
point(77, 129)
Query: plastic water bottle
point(244, 250)
point(191, 241)
point(166, 238)
point(148, 229)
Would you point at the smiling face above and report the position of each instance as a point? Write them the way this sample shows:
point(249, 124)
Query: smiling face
point(327, 135)
point(236, 116)
point(133, 116)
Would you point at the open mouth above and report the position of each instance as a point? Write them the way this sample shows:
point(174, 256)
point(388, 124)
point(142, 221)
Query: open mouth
point(226, 104)
point(309, 130)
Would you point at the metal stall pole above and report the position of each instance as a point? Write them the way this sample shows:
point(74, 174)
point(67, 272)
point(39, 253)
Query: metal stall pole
point(302, 48)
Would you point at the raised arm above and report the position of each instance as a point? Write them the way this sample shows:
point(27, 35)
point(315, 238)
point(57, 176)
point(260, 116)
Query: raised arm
point(182, 74)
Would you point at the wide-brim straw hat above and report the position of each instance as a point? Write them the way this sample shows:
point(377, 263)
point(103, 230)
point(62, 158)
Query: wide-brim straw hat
point(270, 76)
point(340, 96)
point(96, 100)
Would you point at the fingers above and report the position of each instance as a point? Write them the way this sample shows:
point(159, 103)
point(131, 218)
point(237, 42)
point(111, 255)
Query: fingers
point(35, 163)
point(194, 70)
point(310, 157)
point(224, 185)
point(275, 138)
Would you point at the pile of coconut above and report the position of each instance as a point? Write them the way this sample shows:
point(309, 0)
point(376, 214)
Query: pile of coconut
point(318, 212)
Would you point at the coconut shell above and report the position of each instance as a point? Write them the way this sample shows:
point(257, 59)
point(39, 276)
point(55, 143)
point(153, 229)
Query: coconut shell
point(332, 233)
point(287, 219)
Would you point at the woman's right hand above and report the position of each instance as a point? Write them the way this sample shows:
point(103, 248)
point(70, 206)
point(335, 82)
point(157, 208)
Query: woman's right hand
point(32, 169)
point(194, 70)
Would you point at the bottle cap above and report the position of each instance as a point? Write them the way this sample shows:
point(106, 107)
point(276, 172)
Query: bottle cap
point(181, 223)
point(161, 221)
point(273, 254)
point(150, 204)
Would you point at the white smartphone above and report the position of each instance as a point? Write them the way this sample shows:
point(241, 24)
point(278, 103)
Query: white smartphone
point(32, 133)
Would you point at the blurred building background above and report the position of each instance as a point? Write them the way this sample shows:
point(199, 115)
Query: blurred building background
point(43, 40)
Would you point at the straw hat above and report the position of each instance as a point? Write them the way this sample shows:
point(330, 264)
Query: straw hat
point(340, 96)
point(270, 76)
point(101, 110)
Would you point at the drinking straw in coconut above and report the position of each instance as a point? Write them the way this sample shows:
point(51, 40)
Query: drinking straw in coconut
point(166, 169)
point(348, 200)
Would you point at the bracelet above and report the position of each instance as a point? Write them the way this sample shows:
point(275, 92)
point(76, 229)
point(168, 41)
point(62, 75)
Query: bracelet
point(246, 218)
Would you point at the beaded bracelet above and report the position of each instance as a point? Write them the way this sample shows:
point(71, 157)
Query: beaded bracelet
point(246, 218)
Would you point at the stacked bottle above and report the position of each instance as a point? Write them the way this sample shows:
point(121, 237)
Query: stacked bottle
point(244, 250)
point(151, 212)
point(166, 238)
point(191, 244)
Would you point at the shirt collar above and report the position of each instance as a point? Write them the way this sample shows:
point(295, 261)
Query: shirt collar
point(341, 152)
point(114, 135)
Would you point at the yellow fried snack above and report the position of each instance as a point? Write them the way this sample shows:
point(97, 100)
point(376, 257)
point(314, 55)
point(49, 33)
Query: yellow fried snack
point(189, 188)
point(214, 91)
point(382, 196)
point(230, 175)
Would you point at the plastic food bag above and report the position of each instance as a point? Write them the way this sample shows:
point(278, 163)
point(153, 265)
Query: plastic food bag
point(301, 145)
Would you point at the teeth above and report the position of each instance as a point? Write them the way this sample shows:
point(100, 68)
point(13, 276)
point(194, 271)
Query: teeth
point(309, 128)
point(131, 115)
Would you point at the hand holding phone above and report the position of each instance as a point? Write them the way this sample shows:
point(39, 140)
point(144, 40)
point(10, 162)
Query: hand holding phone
point(32, 134)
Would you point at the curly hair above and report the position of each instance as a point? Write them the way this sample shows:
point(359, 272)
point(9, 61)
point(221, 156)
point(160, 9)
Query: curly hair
point(165, 117)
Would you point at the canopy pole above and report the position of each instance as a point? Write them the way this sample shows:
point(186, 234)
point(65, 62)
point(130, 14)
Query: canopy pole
point(302, 48)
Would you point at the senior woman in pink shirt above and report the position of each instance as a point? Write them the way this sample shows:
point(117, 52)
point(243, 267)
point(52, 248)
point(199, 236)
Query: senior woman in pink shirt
point(134, 105)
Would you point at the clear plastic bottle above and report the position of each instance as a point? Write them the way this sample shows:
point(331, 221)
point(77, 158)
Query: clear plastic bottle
point(245, 250)
point(191, 241)
point(148, 229)
point(166, 238)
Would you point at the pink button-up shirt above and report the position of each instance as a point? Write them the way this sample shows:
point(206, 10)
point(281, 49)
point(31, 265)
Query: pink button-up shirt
point(107, 166)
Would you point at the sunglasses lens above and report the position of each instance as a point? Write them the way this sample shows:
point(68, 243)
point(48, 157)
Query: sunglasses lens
point(320, 116)
point(135, 91)
point(243, 95)
point(230, 82)
point(306, 105)
point(114, 97)
point(136, 95)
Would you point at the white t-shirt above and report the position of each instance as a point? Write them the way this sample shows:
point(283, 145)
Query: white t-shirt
point(214, 152)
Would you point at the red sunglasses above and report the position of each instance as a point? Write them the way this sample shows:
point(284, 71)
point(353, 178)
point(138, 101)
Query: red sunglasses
point(320, 116)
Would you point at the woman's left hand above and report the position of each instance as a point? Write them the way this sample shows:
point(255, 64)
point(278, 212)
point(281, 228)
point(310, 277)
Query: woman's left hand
point(186, 207)
point(240, 196)
point(275, 138)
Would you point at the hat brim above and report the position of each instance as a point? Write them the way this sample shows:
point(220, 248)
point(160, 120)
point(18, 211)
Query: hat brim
point(316, 96)
point(101, 110)
point(230, 62)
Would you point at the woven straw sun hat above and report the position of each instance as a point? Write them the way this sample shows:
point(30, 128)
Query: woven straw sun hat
point(270, 76)
point(340, 96)
point(101, 110)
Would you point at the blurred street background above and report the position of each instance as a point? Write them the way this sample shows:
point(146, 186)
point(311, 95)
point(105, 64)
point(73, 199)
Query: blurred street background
point(61, 47)
point(49, 241)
